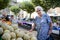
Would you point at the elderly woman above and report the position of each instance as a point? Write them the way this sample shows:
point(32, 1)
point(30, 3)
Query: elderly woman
point(43, 24)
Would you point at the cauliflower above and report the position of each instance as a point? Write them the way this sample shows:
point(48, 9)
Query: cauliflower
point(19, 39)
point(6, 36)
point(29, 33)
point(13, 39)
point(1, 30)
point(13, 35)
point(6, 31)
point(10, 29)
point(0, 22)
point(33, 38)
point(16, 31)
point(20, 34)
point(15, 26)
point(5, 26)
point(26, 37)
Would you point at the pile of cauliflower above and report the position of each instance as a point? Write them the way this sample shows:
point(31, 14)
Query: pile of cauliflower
point(14, 33)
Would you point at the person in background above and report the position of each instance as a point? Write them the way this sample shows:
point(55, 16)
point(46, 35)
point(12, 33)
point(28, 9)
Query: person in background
point(3, 16)
point(57, 24)
point(13, 19)
point(8, 21)
point(42, 23)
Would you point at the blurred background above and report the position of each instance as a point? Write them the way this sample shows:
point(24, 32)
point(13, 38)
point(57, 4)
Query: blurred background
point(23, 11)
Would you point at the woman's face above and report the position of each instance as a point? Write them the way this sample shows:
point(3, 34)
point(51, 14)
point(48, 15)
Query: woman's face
point(38, 12)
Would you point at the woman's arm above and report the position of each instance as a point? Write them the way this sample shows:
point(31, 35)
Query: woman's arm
point(50, 26)
point(50, 29)
point(33, 26)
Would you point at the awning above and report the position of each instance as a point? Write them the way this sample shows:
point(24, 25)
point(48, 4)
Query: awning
point(54, 14)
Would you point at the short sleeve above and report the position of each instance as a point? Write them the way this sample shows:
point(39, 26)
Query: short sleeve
point(49, 19)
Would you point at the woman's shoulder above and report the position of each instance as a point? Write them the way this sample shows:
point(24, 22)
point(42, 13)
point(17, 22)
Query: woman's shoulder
point(45, 15)
point(36, 17)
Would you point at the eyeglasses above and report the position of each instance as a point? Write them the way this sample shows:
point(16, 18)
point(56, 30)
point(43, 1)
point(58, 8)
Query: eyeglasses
point(38, 10)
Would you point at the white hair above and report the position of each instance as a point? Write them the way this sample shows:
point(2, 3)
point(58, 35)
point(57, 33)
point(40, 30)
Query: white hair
point(38, 7)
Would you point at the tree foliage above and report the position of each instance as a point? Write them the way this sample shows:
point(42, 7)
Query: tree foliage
point(47, 4)
point(28, 6)
point(4, 3)
point(15, 9)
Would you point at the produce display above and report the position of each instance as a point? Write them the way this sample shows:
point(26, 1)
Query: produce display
point(13, 32)
point(1, 30)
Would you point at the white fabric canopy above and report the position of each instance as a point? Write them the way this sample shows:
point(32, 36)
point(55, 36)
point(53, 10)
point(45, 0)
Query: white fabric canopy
point(54, 14)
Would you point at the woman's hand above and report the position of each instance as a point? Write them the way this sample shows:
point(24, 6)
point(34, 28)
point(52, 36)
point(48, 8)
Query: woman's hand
point(50, 31)
point(33, 26)
point(30, 30)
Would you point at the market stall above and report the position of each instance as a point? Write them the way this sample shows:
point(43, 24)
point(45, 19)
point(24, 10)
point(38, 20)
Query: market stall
point(13, 32)
point(55, 16)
